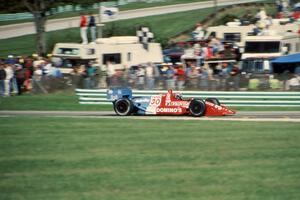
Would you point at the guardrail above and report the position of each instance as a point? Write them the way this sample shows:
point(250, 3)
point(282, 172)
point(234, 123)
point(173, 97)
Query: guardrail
point(239, 99)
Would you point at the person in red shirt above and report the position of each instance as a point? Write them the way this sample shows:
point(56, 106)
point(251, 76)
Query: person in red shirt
point(83, 28)
point(180, 75)
point(295, 15)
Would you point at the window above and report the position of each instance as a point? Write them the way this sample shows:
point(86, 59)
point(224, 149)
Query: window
point(288, 46)
point(90, 51)
point(252, 66)
point(297, 47)
point(128, 56)
point(256, 66)
point(68, 51)
point(114, 58)
point(232, 37)
point(213, 34)
point(262, 47)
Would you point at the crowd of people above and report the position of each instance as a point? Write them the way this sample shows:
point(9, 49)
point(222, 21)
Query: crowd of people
point(22, 74)
point(188, 76)
point(42, 75)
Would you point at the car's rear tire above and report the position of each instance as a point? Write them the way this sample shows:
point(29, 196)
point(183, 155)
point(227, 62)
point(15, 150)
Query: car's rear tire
point(214, 101)
point(123, 107)
point(197, 108)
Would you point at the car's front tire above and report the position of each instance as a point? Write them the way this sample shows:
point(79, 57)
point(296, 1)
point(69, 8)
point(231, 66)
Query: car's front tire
point(197, 108)
point(123, 107)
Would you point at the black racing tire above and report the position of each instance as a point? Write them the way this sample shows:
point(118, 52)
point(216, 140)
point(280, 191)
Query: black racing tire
point(197, 107)
point(123, 107)
point(214, 101)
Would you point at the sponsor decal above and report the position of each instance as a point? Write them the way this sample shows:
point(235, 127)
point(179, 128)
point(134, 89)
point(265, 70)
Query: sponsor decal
point(142, 100)
point(168, 110)
point(155, 101)
point(214, 105)
point(178, 103)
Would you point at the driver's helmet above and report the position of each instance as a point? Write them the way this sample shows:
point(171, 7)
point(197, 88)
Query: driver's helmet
point(178, 96)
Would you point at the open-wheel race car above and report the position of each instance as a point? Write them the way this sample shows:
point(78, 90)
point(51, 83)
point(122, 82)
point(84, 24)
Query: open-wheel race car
point(164, 104)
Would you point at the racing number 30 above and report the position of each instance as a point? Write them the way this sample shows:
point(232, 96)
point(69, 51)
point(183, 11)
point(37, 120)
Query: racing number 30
point(155, 101)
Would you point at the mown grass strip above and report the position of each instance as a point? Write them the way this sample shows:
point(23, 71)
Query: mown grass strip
point(63, 158)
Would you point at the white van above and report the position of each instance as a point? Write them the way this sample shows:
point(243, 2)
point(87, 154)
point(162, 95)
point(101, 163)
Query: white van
point(271, 45)
point(233, 32)
point(259, 50)
point(123, 52)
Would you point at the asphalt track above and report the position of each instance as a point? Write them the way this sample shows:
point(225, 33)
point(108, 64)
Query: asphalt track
point(264, 116)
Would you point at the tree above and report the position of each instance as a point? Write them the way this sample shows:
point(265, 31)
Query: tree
point(39, 8)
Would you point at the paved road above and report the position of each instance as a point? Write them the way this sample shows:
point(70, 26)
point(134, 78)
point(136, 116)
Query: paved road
point(287, 116)
point(15, 30)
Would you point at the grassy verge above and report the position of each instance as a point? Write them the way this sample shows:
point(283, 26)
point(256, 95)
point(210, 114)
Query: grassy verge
point(163, 26)
point(56, 101)
point(69, 101)
point(130, 6)
point(63, 158)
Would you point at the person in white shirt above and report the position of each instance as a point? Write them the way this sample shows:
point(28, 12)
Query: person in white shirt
point(9, 75)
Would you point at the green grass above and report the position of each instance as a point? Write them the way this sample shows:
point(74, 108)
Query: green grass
point(164, 27)
point(68, 101)
point(131, 6)
point(64, 158)
point(54, 101)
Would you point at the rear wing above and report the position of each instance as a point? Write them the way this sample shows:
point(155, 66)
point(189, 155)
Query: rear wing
point(118, 93)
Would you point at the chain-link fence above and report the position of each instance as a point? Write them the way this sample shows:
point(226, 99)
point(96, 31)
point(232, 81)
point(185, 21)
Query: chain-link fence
point(202, 82)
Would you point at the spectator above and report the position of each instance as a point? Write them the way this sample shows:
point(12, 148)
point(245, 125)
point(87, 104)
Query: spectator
point(204, 76)
point(223, 76)
point(83, 28)
point(234, 79)
point(295, 15)
point(2, 78)
point(216, 45)
point(180, 77)
point(141, 77)
point(262, 15)
point(150, 76)
point(88, 76)
point(294, 83)
point(278, 5)
point(20, 78)
point(193, 76)
point(28, 64)
point(7, 82)
point(110, 69)
point(198, 33)
point(92, 26)
point(170, 82)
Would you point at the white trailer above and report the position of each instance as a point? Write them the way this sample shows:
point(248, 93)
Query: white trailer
point(233, 32)
point(259, 50)
point(123, 52)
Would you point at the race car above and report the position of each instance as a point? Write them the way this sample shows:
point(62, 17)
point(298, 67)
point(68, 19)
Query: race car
point(164, 104)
